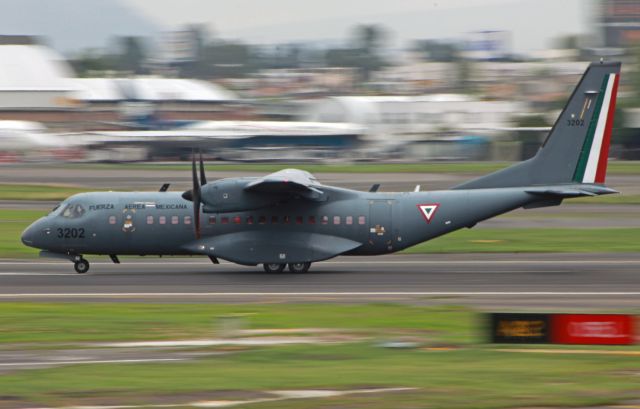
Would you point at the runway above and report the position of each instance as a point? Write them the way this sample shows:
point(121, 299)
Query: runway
point(609, 281)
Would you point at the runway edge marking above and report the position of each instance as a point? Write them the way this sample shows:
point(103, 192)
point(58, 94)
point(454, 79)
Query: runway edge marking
point(312, 294)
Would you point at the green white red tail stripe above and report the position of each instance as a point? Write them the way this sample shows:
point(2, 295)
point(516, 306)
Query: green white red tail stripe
point(592, 165)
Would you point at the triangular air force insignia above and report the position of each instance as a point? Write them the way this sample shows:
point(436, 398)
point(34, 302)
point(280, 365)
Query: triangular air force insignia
point(428, 210)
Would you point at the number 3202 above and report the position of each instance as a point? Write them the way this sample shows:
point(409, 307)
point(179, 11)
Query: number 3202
point(70, 233)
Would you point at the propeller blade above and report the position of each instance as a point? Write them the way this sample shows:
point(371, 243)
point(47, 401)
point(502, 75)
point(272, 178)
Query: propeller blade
point(195, 194)
point(203, 178)
point(196, 217)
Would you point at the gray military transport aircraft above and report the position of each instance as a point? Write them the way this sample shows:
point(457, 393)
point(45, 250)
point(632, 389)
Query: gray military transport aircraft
point(289, 218)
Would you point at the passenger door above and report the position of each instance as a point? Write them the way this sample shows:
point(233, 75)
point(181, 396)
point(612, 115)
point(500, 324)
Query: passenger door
point(380, 225)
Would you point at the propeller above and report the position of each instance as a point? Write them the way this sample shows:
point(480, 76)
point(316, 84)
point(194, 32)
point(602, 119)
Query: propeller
point(203, 178)
point(195, 195)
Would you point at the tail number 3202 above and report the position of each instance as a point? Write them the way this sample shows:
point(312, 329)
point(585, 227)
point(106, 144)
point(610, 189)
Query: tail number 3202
point(70, 233)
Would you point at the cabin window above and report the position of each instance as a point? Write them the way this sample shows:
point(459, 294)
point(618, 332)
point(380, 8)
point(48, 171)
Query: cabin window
point(187, 220)
point(286, 219)
point(262, 220)
point(237, 220)
point(149, 219)
point(112, 220)
point(312, 220)
point(249, 219)
point(175, 220)
point(348, 220)
point(325, 220)
point(361, 220)
point(336, 219)
point(274, 219)
point(212, 220)
point(162, 220)
point(225, 220)
point(299, 219)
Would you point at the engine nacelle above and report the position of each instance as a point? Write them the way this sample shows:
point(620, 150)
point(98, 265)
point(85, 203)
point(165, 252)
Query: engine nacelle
point(229, 195)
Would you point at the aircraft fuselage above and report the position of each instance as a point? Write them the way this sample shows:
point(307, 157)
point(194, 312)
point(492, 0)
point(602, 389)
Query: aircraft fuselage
point(161, 223)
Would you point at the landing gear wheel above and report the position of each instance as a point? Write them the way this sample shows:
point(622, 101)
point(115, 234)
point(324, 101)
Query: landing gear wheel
point(299, 267)
point(274, 267)
point(81, 266)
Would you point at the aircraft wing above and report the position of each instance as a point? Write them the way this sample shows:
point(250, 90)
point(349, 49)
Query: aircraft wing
point(292, 181)
point(255, 247)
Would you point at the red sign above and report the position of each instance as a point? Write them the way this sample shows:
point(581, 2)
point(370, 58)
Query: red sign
point(592, 329)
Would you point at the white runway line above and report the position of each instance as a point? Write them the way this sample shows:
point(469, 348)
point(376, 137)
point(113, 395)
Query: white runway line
point(275, 396)
point(29, 273)
point(355, 262)
point(326, 293)
point(100, 361)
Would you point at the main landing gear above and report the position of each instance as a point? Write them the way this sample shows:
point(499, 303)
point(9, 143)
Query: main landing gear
point(80, 265)
point(297, 268)
point(274, 267)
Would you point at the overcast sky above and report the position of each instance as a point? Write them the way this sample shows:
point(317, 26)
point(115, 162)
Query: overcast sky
point(533, 23)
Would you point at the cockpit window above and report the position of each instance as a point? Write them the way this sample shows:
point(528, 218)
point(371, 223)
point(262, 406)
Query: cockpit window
point(55, 208)
point(73, 211)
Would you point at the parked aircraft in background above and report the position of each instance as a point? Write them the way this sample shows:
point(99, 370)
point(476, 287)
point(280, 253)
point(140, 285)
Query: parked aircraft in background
point(289, 218)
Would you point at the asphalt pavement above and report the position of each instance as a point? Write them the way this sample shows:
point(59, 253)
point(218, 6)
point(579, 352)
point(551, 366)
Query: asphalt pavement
point(610, 281)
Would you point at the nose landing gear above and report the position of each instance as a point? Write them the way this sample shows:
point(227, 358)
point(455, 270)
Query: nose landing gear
point(80, 265)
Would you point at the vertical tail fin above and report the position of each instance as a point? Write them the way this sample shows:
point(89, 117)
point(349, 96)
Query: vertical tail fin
point(577, 148)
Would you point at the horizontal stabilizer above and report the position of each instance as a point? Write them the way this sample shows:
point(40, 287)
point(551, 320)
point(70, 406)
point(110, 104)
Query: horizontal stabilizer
point(571, 191)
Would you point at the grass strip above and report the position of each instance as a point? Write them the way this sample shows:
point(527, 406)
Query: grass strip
point(614, 167)
point(538, 240)
point(471, 376)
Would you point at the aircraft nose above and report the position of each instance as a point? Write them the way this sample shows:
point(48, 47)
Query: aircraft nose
point(30, 234)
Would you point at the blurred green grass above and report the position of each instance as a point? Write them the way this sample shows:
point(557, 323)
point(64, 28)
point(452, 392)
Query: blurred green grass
point(9, 191)
point(478, 240)
point(12, 224)
point(614, 167)
point(534, 240)
point(81, 322)
point(471, 375)
point(456, 379)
